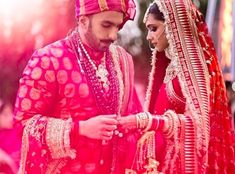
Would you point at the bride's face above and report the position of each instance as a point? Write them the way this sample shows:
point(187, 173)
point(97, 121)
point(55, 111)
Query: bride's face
point(156, 33)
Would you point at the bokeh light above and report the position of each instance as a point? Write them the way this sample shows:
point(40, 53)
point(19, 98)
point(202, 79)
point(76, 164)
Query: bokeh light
point(226, 37)
point(26, 25)
point(14, 12)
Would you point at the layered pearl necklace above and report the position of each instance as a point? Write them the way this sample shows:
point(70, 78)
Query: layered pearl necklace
point(102, 79)
point(108, 76)
point(101, 71)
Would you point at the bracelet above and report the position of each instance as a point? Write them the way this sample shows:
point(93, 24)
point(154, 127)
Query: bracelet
point(137, 121)
point(150, 120)
point(157, 123)
point(171, 123)
point(161, 123)
point(141, 120)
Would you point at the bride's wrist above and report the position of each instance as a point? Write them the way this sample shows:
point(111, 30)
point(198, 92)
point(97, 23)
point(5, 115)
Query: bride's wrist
point(148, 122)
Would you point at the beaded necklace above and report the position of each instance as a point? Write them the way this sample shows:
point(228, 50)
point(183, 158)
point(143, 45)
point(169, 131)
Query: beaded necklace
point(101, 71)
point(102, 80)
point(107, 102)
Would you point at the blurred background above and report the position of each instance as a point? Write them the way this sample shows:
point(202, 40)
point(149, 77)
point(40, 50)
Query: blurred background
point(26, 25)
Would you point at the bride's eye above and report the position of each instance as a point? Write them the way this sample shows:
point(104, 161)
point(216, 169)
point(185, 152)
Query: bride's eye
point(153, 29)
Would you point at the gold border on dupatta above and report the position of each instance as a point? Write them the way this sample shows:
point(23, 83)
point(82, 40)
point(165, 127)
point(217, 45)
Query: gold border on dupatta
point(127, 82)
point(116, 60)
point(197, 92)
point(171, 93)
point(150, 83)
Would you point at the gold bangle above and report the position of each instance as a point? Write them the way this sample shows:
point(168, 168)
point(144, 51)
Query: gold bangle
point(142, 120)
point(150, 120)
point(170, 131)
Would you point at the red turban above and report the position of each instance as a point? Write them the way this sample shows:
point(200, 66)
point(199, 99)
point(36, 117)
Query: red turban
point(87, 7)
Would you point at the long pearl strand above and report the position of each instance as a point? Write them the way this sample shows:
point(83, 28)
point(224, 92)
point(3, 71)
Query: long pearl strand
point(87, 55)
point(101, 71)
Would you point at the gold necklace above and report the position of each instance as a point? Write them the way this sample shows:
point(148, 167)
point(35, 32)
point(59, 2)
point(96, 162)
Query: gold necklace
point(102, 74)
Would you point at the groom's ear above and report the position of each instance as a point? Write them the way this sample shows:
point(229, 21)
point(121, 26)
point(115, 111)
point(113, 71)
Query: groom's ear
point(83, 22)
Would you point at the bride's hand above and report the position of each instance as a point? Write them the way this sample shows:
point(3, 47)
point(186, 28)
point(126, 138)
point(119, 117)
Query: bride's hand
point(127, 122)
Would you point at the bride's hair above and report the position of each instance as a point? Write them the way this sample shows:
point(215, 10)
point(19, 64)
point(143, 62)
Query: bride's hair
point(154, 10)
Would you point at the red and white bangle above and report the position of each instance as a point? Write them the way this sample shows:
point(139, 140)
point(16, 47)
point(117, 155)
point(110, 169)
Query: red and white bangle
point(150, 120)
point(142, 120)
point(171, 123)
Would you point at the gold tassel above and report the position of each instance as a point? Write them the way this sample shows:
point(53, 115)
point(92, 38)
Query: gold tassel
point(146, 152)
point(152, 167)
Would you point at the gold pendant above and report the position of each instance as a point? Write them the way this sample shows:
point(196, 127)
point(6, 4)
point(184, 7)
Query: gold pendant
point(102, 75)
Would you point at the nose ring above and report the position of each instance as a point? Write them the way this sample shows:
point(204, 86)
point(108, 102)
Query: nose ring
point(151, 46)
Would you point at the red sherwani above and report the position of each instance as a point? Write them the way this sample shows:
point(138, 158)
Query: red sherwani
point(54, 94)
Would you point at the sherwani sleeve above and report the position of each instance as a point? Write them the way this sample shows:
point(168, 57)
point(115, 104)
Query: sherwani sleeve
point(44, 134)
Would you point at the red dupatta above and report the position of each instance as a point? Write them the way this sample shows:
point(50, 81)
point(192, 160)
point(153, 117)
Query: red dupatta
point(203, 87)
